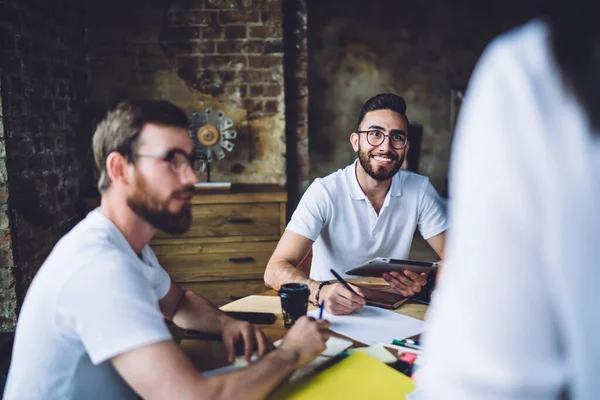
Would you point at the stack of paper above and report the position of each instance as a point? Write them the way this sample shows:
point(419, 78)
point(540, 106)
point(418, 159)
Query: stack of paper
point(373, 325)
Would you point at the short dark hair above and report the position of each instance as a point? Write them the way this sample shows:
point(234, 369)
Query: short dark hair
point(119, 130)
point(383, 101)
point(575, 40)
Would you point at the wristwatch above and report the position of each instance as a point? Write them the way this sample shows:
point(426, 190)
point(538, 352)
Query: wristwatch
point(318, 291)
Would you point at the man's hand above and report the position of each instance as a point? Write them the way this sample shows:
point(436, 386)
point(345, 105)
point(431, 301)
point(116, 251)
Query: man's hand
point(339, 300)
point(407, 284)
point(306, 339)
point(242, 332)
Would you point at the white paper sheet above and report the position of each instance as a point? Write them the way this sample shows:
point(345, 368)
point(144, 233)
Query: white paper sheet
point(372, 325)
point(334, 346)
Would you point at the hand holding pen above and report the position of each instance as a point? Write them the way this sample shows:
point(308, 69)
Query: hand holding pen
point(341, 298)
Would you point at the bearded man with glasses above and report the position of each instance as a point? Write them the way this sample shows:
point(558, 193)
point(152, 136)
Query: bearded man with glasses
point(92, 324)
point(369, 209)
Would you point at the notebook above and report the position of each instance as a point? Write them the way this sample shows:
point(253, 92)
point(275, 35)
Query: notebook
point(382, 298)
point(359, 376)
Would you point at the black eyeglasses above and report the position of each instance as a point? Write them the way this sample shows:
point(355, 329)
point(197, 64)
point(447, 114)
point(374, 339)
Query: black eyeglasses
point(178, 159)
point(375, 138)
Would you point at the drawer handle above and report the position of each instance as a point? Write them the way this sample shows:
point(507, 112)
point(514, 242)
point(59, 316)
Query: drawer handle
point(240, 260)
point(243, 220)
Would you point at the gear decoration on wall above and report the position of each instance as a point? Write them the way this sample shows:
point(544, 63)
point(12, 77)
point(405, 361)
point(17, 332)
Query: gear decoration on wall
point(213, 134)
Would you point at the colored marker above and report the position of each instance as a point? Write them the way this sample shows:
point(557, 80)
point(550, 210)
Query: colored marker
point(413, 341)
point(405, 344)
point(321, 309)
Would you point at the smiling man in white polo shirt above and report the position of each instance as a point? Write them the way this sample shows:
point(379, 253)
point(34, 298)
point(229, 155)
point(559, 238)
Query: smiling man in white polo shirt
point(369, 209)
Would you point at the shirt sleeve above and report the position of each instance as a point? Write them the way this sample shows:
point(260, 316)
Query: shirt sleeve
point(162, 281)
point(433, 216)
point(310, 216)
point(490, 330)
point(111, 308)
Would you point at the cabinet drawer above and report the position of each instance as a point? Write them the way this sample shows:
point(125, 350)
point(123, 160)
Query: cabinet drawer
point(203, 263)
point(233, 220)
point(221, 293)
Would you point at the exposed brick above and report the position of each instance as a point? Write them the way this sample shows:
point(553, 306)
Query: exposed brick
point(273, 17)
point(273, 46)
point(252, 105)
point(3, 174)
point(192, 47)
point(302, 105)
point(213, 31)
point(235, 32)
point(5, 239)
point(240, 46)
point(265, 61)
point(272, 90)
point(257, 31)
point(223, 62)
point(45, 86)
point(6, 258)
point(3, 220)
point(238, 17)
point(271, 106)
point(256, 90)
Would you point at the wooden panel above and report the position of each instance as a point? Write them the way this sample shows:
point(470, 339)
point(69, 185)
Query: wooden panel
point(180, 249)
point(210, 263)
point(220, 293)
point(169, 240)
point(229, 197)
point(233, 220)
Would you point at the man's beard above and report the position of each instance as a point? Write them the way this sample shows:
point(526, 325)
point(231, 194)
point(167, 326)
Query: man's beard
point(379, 174)
point(156, 213)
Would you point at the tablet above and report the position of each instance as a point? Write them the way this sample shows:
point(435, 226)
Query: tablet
point(380, 265)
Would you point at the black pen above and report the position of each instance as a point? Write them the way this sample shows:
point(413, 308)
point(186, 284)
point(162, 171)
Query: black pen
point(342, 281)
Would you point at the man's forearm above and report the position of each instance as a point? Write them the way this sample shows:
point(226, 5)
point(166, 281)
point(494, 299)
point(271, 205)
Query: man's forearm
point(257, 381)
point(281, 272)
point(194, 312)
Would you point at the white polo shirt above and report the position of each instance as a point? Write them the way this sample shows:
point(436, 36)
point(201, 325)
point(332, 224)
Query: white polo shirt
point(92, 299)
point(335, 214)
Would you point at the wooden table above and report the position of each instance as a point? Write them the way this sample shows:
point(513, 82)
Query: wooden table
point(209, 354)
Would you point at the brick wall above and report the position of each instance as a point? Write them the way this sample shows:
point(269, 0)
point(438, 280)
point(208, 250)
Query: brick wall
point(224, 54)
point(296, 101)
point(43, 85)
point(8, 295)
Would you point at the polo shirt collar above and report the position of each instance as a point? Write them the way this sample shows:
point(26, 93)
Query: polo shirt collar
point(355, 190)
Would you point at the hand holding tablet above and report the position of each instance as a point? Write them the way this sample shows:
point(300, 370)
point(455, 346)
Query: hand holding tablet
point(380, 265)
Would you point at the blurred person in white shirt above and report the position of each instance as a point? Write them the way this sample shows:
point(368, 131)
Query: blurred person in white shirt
point(515, 311)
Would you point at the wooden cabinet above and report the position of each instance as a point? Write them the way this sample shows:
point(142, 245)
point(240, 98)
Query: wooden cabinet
point(224, 254)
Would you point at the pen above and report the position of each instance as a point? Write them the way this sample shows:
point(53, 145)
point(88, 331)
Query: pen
point(342, 281)
point(321, 309)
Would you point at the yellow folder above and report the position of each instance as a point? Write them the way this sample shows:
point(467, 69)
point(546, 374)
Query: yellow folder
point(357, 377)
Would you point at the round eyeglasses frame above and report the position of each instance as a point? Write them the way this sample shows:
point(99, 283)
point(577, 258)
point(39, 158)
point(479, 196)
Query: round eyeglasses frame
point(376, 138)
point(178, 159)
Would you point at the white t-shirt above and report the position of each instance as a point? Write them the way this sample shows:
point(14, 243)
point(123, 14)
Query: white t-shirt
point(92, 299)
point(335, 214)
point(515, 314)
